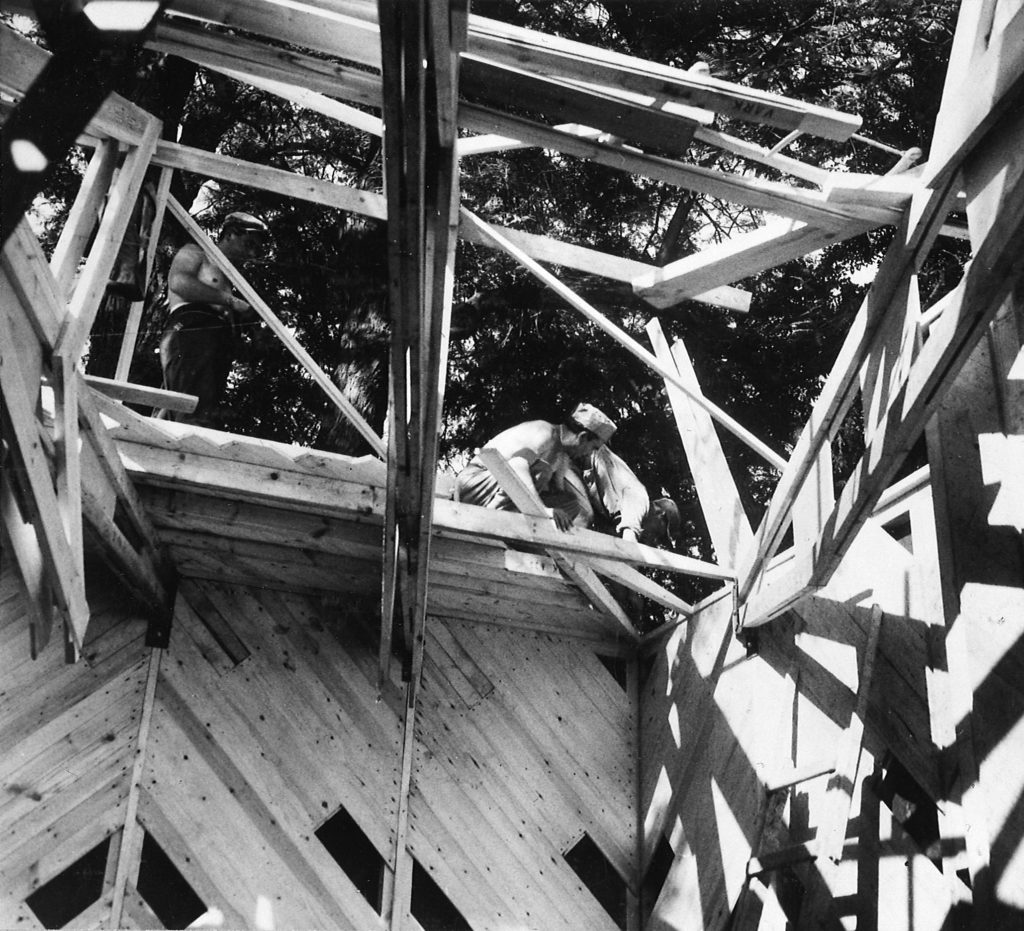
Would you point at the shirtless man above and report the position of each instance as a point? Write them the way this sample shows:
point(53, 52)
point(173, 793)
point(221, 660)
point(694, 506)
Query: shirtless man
point(545, 455)
point(197, 348)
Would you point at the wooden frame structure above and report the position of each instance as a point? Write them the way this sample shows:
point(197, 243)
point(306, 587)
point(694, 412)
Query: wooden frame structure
point(209, 533)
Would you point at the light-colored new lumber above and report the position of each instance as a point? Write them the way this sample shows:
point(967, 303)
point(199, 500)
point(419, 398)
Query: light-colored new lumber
point(547, 54)
point(716, 488)
point(318, 103)
point(775, 197)
point(639, 121)
point(130, 849)
point(740, 257)
point(913, 238)
point(257, 303)
point(144, 395)
point(92, 285)
point(997, 269)
point(69, 584)
point(839, 794)
point(990, 62)
point(84, 215)
point(31, 567)
point(131, 327)
point(624, 339)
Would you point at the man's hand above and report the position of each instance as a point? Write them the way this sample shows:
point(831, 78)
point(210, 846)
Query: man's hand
point(561, 519)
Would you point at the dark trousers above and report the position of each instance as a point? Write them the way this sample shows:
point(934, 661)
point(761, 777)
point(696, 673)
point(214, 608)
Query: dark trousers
point(196, 352)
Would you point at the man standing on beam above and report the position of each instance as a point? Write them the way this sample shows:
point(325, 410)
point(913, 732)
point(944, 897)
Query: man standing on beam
point(198, 345)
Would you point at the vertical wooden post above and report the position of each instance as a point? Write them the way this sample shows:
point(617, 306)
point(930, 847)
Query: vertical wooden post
point(131, 330)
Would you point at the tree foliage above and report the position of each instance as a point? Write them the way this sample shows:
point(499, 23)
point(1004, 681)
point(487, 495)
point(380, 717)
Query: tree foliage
point(520, 353)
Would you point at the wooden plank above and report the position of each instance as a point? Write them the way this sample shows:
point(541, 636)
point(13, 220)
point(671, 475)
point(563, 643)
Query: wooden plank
point(739, 257)
point(989, 61)
point(370, 204)
point(230, 51)
point(92, 285)
point(85, 213)
point(36, 593)
point(913, 238)
point(144, 395)
point(841, 785)
point(773, 196)
point(621, 337)
point(556, 252)
point(647, 126)
point(27, 275)
point(69, 585)
point(995, 271)
point(130, 849)
point(546, 54)
point(131, 329)
point(716, 488)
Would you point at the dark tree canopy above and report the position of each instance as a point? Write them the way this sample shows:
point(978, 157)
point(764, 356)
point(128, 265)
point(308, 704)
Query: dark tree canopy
point(518, 353)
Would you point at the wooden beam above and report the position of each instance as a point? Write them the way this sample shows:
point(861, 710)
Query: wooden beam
point(912, 240)
point(811, 207)
point(716, 488)
point(20, 536)
point(28, 274)
point(528, 502)
point(85, 302)
point(142, 394)
point(739, 257)
point(546, 54)
point(373, 205)
point(997, 269)
point(239, 281)
point(318, 103)
point(249, 59)
point(130, 849)
point(68, 582)
point(640, 123)
point(131, 328)
point(84, 215)
point(842, 784)
point(624, 339)
point(988, 57)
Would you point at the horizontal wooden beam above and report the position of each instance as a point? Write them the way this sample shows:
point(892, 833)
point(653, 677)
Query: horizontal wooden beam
point(143, 395)
point(547, 54)
point(320, 491)
point(775, 197)
point(373, 205)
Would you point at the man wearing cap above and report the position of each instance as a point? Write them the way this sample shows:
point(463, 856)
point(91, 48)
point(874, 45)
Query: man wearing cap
point(198, 345)
point(545, 456)
point(621, 504)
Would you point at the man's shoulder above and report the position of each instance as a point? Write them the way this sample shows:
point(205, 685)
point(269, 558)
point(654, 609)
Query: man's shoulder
point(190, 251)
